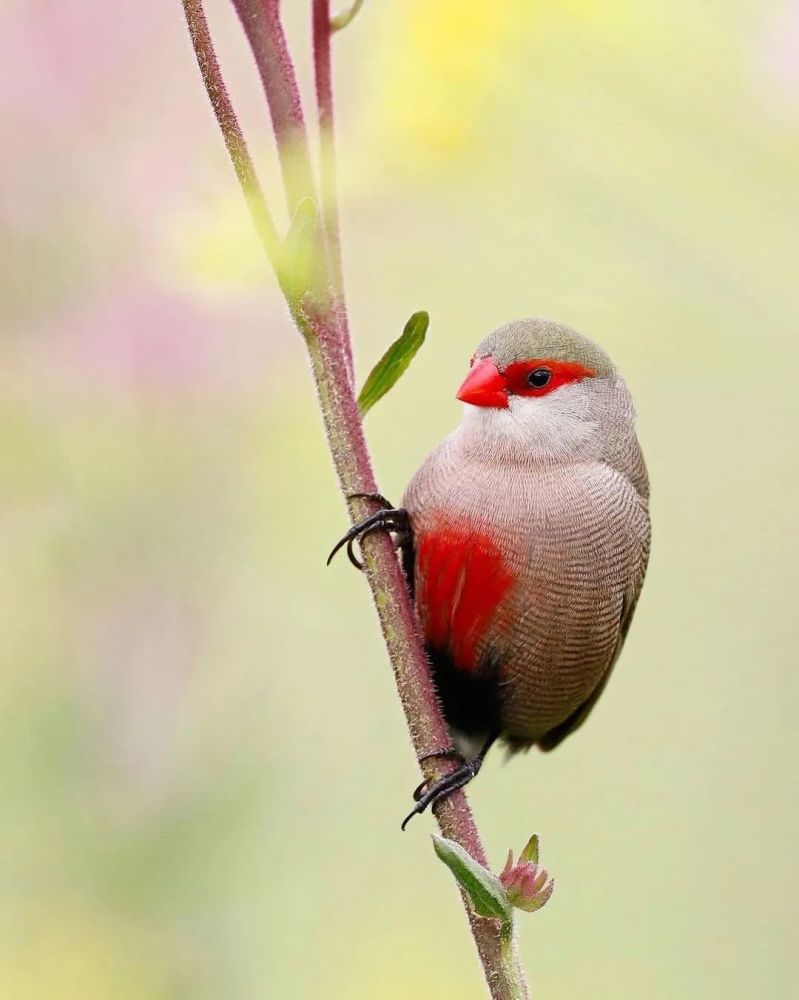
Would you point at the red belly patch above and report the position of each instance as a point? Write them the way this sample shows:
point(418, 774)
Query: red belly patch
point(461, 578)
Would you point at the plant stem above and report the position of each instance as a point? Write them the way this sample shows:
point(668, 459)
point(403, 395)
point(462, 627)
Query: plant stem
point(397, 620)
point(230, 128)
point(323, 76)
point(262, 25)
point(321, 318)
point(509, 957)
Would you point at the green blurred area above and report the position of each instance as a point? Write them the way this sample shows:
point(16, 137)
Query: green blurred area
point(203, 761)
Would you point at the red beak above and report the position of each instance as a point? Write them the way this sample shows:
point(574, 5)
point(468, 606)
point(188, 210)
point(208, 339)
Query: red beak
point(484, 386)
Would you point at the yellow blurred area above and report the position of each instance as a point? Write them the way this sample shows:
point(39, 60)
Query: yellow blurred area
point(217, 246)
point(63, 952)
point(203, 764)
point(452, 65)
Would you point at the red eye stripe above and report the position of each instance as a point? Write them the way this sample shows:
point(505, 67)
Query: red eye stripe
point(560, 373)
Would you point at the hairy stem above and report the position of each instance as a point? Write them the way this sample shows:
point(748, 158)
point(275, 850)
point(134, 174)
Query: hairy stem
point(230, 128)
point(397, 621)
point(328, 185)
point(262, 25)
point(320, 316)
point(511, 966)
point(323, 77)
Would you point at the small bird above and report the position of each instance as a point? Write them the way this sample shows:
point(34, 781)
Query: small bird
point(525, 539)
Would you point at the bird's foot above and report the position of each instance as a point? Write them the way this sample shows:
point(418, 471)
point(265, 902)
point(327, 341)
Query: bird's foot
point(446, 753)
point(443, 787)
point(392, 519)
point(451, 782)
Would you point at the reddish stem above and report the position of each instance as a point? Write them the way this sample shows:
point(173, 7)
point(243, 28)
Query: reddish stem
point(322, 321)
point(261, 22)
point(230, 128)
point(323, 76)
point(426, 724)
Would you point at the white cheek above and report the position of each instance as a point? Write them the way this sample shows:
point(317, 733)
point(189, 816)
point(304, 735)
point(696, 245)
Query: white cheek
point(556, 426)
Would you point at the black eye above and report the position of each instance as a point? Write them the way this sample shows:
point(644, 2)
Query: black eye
point(539, 378)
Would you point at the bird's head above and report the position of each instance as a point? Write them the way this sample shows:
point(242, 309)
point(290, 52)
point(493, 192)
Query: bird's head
point(538, 389)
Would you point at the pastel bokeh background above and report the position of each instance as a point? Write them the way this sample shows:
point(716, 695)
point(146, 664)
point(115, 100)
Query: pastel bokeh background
point(203, 760)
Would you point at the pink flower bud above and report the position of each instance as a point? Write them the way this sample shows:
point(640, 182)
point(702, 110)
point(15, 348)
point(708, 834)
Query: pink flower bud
point(525, 883)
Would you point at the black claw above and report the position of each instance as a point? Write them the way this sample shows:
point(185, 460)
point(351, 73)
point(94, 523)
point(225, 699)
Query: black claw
point(356, 562)
point(354, 532)
point(377, 497)
point(409, 817)
point(448, 753)
point(341, 542)
point(444, 786)
point(389, 519)
point(450, 782)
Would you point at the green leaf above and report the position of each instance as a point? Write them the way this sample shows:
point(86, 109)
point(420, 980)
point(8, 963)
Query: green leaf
point(530, 852)
point(483, 889)
point(394, 362)
point(298, 252)
point(340, 21)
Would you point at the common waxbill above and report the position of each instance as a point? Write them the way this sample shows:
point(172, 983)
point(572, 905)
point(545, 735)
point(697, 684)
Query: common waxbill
point(525, 540)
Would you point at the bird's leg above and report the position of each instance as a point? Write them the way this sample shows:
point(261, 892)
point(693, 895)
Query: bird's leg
point(450, 782)
point(391, 519)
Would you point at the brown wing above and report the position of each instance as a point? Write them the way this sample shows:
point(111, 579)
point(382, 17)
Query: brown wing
point(559, 733)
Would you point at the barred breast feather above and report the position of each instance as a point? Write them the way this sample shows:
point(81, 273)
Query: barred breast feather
point(526, 581)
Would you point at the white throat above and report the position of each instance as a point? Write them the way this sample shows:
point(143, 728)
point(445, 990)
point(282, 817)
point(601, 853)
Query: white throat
point(573, 423)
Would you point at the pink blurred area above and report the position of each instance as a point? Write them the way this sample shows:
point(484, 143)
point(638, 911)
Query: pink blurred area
point(135, 334)
point(780, 51)
point(203, 762)
point(94, 185)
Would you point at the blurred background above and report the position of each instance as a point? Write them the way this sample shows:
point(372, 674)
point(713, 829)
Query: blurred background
point(204, 763)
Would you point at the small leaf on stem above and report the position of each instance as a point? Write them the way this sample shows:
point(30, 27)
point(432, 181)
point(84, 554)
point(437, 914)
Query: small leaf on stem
point(339, 21)
point(482, 888)
point(298, 252)
point(394, 362)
